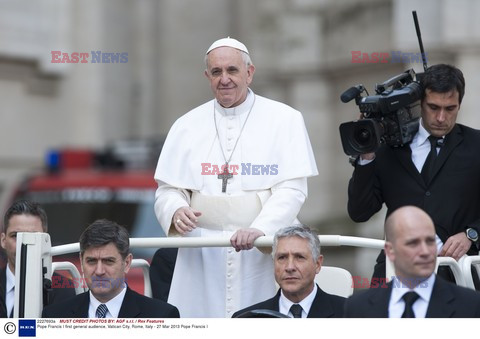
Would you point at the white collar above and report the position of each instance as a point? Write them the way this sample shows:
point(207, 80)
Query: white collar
point(113, 304)
point(423, 289)
point(422, 135)
point(10, 279)
point(243, 108)
point(306, 303)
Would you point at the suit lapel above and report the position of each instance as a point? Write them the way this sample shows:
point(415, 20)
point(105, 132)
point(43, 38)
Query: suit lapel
point(274, 303)
point(441, 301)
point(452, 140)
point(378, 302)
point(321, 306)
point(129, 307)
point(80, 308)
point(404, 156)
point(3, 292)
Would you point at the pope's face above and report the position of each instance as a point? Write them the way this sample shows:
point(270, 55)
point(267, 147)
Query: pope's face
point(295, 268)
point(229, 76)
point(439, 112)
point(16, 224)
point(104, 270)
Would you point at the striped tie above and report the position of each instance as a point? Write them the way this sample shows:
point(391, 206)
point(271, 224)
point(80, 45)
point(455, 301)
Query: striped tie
point(296, 310)
point(101, 311)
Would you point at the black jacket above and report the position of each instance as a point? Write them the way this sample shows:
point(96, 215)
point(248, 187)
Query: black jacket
point(324, 305)
point(134, 305)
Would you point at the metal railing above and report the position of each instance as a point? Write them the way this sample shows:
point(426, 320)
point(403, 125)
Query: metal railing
point(462, 273)
point(265, 241)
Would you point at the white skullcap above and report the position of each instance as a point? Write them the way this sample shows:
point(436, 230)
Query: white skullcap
point(228, 42)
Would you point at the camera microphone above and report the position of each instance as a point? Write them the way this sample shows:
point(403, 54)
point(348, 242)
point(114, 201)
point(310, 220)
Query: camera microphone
point(352, 93)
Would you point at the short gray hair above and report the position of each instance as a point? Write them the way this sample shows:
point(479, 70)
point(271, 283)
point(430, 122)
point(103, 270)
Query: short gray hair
point(300, 231)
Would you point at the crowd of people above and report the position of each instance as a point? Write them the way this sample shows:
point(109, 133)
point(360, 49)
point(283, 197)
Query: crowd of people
point(237, 166)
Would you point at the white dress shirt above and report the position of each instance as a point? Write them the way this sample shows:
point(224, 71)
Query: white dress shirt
point(113, 305)
point(9, 291)
point(396, 306)
point(306, 303)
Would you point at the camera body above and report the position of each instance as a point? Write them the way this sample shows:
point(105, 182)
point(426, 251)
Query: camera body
point(391, 117)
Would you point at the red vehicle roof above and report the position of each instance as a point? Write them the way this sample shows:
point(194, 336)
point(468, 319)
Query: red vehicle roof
point(92, 178)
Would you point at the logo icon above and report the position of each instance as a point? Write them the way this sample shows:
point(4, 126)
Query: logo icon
point(10, 328)
point(27, 328)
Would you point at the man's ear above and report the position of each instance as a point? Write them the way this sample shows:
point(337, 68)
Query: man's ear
point(3, 239)
point(128, 263)
point(250, 71)
point(319, 264)
point(81, 262)
point(389, 251)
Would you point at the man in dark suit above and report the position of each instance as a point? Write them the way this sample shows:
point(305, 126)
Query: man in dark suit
point(442, 179)
point(105, 258)
point(297, 259)
point(415, 291)
point(24, 216)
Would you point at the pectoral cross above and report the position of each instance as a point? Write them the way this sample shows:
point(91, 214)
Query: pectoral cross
point(224, 176)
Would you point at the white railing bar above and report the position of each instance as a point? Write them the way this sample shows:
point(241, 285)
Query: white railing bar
point(265, 241)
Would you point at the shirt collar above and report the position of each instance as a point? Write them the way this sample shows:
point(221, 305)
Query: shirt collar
point(306, 303)
point(423, 289)
point(10, 280)
point(422, 135)
point(113, 304)
point(243, 108)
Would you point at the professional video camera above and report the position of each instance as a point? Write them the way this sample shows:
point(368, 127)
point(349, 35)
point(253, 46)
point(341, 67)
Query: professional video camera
point(390, 117)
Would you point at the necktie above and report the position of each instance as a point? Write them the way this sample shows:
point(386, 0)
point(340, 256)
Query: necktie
point(296, 310)
point(101, 311)
point(410, 298)
point(427, 168)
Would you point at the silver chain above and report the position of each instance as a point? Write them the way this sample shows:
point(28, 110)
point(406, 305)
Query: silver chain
point(241, 131)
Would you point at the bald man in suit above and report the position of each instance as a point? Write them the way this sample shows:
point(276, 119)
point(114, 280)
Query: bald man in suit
point(415, 291)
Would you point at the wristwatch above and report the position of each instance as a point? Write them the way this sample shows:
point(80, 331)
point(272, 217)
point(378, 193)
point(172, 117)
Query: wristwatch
point(472, 235)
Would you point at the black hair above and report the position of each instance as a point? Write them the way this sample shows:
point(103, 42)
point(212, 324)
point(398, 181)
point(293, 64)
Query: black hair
point(443, 78)
point(103, 232)
point(25, 207)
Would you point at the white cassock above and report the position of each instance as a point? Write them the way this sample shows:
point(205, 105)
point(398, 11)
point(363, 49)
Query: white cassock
point(274, 158)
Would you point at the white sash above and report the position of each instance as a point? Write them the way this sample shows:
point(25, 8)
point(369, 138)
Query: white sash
point(229, 213)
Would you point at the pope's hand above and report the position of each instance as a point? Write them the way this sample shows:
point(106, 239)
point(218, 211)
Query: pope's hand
point(185, 219)
point(243, 239)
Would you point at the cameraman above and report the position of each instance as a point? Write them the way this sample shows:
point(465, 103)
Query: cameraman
point(447, 187)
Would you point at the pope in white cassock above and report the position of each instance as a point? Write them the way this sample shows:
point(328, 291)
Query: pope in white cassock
point(237, 167)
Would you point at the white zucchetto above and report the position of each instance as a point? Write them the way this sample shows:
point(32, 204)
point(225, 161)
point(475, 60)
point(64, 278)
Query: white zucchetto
point(228, 42)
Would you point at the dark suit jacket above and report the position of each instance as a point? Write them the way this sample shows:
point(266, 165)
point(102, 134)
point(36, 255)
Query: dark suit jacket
point(447, 301)
point(55, 295)
point(451, 198)
point(134, 306)
point(324, 305)
point(161, 272)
